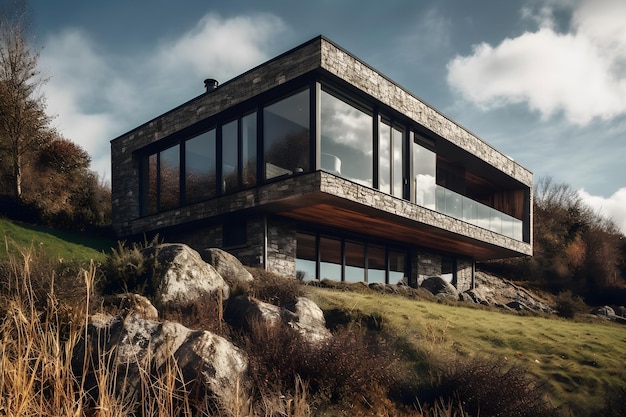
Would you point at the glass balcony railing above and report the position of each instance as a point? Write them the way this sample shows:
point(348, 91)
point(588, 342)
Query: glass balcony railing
point(460, 207)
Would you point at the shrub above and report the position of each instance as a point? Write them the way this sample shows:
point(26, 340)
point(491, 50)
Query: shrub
point(273, 288)
point(347, 368)
point(128, 268)
point(487, 388)
point(568, 305)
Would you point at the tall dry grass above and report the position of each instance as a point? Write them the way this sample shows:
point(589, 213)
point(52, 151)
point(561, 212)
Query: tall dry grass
point(44, 313)
point(38, 336)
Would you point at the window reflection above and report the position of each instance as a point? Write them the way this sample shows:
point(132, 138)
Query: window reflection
point(398, 156)
point(397, 267)
point(330, 258)
point(355, 262)
point(169, 175)
point(152, 206)
point(424, 172)
point(248, 152)
point(200, 167)
point(229, 157)
point(306, 256)
point(384, 157)
point(287, 136)
point(346, 140)
point(376, 265)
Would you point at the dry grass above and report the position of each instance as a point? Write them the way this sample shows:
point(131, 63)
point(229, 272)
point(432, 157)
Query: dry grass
point(44, 372)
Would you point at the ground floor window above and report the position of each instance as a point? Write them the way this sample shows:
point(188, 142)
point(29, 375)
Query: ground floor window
point(322, 256)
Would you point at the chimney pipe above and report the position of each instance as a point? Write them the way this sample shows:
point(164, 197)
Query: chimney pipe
point(210, 84)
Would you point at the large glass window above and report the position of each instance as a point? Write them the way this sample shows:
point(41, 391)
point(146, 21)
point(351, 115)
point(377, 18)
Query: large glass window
point(346, 140)
point(424, 176)
point(390, 159)
point(376, 264)
point(384, 157)
point(169, 178)
point(355, 262)
point(230, 158)
point(306, 256)
point(287, 136)
point(248, 151)
point(330, 258)
point(397, 267)
point(398, 157)
point(200, 167)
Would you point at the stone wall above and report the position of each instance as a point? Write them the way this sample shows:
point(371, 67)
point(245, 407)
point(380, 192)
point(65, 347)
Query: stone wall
point(281, 246)
point(464, 274)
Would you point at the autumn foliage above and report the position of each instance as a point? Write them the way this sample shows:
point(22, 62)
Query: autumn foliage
point(575, 248)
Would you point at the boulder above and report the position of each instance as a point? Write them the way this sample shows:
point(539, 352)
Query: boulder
point(228, 266)
point(125, 304)
point(309, 320)
point(133, 349)
point(440, 287)
point(243, 310)
point(604, 311)
point(180, 276)
point(302, 315)
point(478, 295)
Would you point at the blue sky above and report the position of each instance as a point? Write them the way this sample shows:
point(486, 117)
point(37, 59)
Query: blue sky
point(544, 81)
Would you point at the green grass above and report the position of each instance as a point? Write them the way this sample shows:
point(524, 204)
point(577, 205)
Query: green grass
point(578, 361)
point(61, 244)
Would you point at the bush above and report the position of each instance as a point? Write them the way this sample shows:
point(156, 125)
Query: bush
point(346, 368)
point(128, 268)
point(273, 288)
point(487, 388)
point(568, 305)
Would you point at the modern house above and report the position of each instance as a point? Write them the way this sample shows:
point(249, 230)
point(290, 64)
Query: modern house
point(315, 165)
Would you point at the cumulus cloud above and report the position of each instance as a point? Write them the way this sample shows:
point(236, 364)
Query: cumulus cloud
point(580, 72)
point(97, 94)
point(613, 207)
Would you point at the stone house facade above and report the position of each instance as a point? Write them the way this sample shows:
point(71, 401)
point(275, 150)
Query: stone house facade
point(314, 165)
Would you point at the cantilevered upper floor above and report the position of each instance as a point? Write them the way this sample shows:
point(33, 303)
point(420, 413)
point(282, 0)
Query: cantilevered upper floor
point(318, 136)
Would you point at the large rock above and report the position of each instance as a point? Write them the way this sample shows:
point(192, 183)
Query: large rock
point(128, 303)
point(228, 266)
point(440, 287)
point(309, 319)
point(132, 349)
point(604, 311)
point(243, 311)
point(180, 275)
point(303, 315)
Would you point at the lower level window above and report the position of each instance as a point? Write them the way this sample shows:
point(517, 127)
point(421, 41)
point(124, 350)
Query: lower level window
point(349, 260)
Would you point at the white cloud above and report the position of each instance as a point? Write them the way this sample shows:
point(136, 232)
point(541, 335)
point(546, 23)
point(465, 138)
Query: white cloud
point(97, 95)
point(581, 73)
point(613, 207)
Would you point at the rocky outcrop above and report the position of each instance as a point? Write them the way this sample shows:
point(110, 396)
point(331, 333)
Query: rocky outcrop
point(491, 290)
point(179, 275)
point(129, 346)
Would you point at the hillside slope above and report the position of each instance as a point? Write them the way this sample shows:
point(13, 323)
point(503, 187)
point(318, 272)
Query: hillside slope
point(57, 243)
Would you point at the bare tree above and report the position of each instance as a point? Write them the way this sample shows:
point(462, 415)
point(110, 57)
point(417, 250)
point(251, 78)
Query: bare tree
point(24, 125)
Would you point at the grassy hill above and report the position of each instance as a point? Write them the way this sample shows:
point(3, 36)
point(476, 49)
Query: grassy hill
point(575, 363)
point(578, 361)
point(57, 243)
